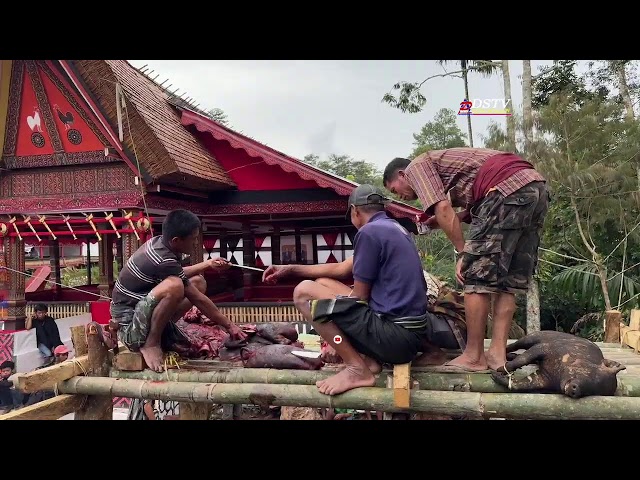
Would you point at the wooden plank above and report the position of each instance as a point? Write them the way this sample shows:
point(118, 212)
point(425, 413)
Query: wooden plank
point(129, 361)
point(50, 409)
point(402, 385)
point(194, 411)
point(634, 319)
point(612, 326)
point(79, 340)
point(46, 378)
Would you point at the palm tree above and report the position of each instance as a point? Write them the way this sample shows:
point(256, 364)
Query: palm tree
point(485, 67)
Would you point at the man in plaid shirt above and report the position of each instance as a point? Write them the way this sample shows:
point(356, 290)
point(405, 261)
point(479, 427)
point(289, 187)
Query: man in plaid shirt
point(505, 200)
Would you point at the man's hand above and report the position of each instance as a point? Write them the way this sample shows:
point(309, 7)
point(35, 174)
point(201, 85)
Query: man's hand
point(218, 264)
point(236, 332)
point(459, 276)
point(276, 272)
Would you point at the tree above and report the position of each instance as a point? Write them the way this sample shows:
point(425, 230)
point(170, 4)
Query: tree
point(533, 293)
point(411, 100)
point(358, 171)
point(590, 171)
point(218, 115)
point(442, 132)
point(511, 126)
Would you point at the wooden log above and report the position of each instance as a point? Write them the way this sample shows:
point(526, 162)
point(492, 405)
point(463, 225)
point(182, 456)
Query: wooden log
point(194, 411)
point(470, 404)
point(628, 385)
point(612, 326)
point(129, 361)
point(49, 409)
point(96, 407)
point(79, 340)
point(46, 378)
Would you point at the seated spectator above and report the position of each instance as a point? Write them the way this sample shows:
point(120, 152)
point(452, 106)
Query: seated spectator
point(47, 333)
point(10, 397)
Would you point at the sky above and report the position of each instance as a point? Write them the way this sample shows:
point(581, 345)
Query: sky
point(331, 106)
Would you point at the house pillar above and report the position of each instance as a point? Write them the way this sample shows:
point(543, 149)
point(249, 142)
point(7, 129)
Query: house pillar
point(130, 244)
point(105, 277)
point(249, 259)
point(12, 284)
point(54, 261)
point(275, 246)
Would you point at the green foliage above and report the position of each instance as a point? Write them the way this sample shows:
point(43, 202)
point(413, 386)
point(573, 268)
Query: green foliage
point(440, 133)
point(218, 115)
point(410, 99)
point(437, 256)
point(359, 171)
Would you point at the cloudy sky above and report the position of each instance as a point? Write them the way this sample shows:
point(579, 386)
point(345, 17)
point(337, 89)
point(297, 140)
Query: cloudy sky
point(329, 106)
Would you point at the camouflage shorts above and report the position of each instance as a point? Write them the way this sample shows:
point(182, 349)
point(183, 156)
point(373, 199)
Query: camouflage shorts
point(134, 323)
point(501, 251)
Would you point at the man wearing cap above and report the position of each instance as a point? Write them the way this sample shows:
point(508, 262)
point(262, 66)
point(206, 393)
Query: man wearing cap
point(60, 353)
point(382, 319)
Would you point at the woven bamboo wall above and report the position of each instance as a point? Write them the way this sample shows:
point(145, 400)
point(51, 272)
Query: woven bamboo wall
point(261, 313)
point(61, 309)
point(236, 313)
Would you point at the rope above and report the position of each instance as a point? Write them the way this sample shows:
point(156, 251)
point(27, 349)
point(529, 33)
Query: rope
point(509, 374)
point(55, 283)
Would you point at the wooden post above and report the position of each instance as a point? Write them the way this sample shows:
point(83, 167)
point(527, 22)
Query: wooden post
point(96, 407)
point(249, 259)
point(298, 247)
point(79, 340)
point(105, 279)
point(88, 240)
point(194, 411)
point(612, 326)
point(54, 261)
point(275, 246)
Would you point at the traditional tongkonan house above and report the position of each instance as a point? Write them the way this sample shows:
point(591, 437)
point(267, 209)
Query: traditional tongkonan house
point(97, 151)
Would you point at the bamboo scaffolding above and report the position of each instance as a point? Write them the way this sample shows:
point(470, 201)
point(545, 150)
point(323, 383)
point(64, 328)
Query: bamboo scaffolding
point(469, 404)
point(629, 386)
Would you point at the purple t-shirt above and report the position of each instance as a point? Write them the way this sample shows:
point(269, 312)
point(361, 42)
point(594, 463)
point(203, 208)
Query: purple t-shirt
point(385, 257)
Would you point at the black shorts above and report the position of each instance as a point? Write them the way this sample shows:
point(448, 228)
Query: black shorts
point(379, 338)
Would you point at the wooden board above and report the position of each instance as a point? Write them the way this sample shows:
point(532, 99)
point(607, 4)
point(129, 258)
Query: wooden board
point(630, 338)
point(634, 319)
point(402, 385)
point(46, 378)
point(50, 409)
point(129, 361)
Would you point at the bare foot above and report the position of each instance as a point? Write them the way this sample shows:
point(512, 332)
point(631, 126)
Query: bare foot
point(463, 362)
point(153, 357)
point(350, 377)
point(432, 358)
point(372, 365)
point(494, 361)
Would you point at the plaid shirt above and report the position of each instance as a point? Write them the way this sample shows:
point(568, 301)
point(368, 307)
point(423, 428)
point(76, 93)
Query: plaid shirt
point(437, 173)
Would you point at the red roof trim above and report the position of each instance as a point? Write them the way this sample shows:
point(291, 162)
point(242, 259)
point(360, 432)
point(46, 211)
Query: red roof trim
point(274, 157)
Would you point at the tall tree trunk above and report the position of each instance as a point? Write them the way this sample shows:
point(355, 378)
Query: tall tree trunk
point(621, 75)
point(526, 106)
point(465, 78)
point(533, 293)
point(596, 257)
point(511, 121)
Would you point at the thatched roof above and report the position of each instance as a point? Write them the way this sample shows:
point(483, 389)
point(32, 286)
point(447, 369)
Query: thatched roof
point(164, 148)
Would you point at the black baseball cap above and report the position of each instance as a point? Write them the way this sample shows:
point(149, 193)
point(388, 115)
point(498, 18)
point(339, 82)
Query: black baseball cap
point(365, 195)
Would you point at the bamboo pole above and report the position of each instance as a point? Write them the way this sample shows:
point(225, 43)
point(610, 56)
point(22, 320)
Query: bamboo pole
point(629, 386)
point(482, 405)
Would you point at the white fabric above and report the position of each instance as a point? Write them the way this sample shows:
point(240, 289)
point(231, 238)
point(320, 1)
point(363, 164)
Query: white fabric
point(25, 351)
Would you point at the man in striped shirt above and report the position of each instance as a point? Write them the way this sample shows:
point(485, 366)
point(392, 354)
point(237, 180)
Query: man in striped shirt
point(505, 200)
point(153, 288)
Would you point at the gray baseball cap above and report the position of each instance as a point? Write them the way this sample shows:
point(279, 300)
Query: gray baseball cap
point(365, 195)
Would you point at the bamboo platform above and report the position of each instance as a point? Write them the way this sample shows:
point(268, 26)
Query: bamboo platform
point(86, 385)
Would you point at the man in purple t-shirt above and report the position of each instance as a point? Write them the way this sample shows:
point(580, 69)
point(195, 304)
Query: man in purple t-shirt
point(384, 316)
